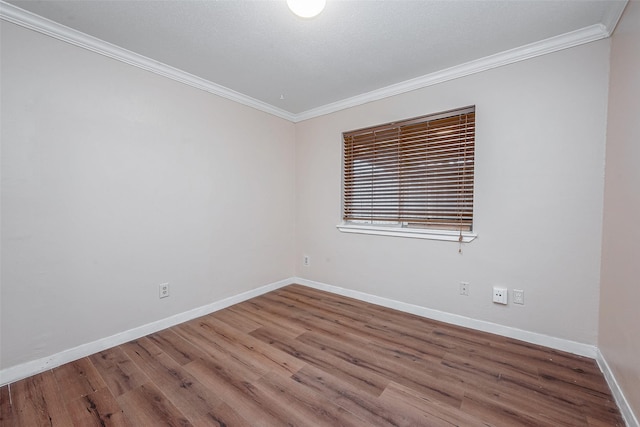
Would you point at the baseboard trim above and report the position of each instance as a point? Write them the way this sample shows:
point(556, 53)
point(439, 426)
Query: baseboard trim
point(527, 336)
point(455, 319)
point(625, 409)
point(18, 372)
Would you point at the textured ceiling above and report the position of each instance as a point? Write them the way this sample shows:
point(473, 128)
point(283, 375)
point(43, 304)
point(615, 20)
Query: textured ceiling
point(261, 50)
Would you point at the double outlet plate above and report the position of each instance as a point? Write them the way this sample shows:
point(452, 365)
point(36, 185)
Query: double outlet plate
point(500, 294)
point(163, 290)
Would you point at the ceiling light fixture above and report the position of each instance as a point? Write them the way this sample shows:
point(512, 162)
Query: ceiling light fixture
point(306, 8)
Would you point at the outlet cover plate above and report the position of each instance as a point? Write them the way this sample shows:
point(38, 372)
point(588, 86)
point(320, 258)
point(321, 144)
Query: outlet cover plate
point(464, 288)
point(518, 296)
point(499, 295)
point(164, 290)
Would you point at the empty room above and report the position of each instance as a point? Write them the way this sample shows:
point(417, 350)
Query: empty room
point(319, 213)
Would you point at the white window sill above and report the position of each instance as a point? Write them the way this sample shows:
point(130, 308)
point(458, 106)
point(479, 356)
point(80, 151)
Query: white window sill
point(415, 233)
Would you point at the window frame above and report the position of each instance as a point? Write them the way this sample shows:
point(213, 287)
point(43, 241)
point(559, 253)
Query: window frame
point(401, 228)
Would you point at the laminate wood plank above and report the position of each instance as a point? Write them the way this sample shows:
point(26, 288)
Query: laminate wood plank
point(203, 335)
point(603, 415)
point(235, 389)
point(308, 406)
point(436, 412)
point(387, 356)
point(349, 307)
point(329, 301)
point(543, 356)
point(346, 324)
point(370, 409)
point(502, 362)
point(593, 404)
point(367, 381)
point(240, 322)
point(223, 416)
point(498, 413)
point(315, 320)
point(408, 355)
point(402, 324)
point(300, 310)
point(574, 393)
point(267, 402)
point(77, 379)
point(593, 422)
point(177, 347)
point(6, 410)
point(569, 394)
point(487, 372)
point(203, 406)
point(36, 401)
point(358, 311)
point(285, 313)
point(521, 389)
point(145, 405)
point(177, 384)
point(427, 382)
point(527, 401)
point(118, 370)
point(371, 327)
point(425, 418)
point(587, 378)
point(400, 342)
point(181, 347)
point(99, 409)
point(249, 348)
point(286, 326)
point(154, 362)
point(382, 348)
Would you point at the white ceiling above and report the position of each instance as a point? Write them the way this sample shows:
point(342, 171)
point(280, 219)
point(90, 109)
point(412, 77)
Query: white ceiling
point(354, 51)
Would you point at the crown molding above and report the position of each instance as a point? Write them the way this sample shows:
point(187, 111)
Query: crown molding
point(45, 26)
point(611, 19)
point(26, 19)
point(543, 47)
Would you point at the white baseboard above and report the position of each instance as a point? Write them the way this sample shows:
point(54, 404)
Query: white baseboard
point(34, 367)
point(531, 337)
point(455, 319)
point(27, 369)
point(625, 409)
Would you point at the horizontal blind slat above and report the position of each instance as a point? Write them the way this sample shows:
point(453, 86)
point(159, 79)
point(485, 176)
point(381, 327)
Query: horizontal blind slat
point(418, 171)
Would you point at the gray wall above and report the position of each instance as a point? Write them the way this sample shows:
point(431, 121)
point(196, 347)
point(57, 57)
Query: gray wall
point(540, 144)
point(619, 337)
point(115, 180)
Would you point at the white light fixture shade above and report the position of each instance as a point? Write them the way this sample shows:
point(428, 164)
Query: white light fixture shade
point(306, 8)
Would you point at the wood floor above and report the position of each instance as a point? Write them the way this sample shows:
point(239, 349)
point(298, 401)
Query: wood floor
point(302, 357)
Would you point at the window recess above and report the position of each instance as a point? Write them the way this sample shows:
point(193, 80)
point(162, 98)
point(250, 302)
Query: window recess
point(412, 178)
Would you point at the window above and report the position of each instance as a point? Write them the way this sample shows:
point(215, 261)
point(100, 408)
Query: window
point(413, 177)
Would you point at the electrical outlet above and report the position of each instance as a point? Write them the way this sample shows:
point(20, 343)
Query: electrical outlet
point(164, 290)
point(464, 288)
point(306, 260)
point(518, 296)
point(499, 295)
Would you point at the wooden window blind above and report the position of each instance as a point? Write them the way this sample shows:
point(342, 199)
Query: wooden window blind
point(414, 173)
